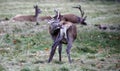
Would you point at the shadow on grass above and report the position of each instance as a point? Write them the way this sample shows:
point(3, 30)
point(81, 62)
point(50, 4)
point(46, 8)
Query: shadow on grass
point(39, 61)
point(58, 62)
point(64, 69)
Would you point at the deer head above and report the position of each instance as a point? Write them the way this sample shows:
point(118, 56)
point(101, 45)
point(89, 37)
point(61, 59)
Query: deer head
point(57, 15)
point(54, 22)
point(82, 18)
point(37, 10)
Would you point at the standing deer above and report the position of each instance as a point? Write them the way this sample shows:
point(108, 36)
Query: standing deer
point(74, 18)
point(62, 32)
point(32, 18)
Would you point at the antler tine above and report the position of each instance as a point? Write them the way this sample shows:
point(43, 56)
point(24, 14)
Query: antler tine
point(57, 13)
point(75, 7)
point(79, 7)
point(82, 12)
point(55, 10)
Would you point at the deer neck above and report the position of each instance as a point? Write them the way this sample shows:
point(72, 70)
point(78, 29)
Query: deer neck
point(36, 14)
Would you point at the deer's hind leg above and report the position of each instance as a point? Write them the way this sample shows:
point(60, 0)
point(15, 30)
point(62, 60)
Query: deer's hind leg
point(69, 45)
point(59, 51)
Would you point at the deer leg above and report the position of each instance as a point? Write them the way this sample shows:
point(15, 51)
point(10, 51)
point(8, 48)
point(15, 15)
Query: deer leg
point(60, 50)
point(69, 45)
point(55, 44)
point(58, 39)
point(52, 54)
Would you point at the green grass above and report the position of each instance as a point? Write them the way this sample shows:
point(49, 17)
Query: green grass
point(25, 46)
point(2, 68)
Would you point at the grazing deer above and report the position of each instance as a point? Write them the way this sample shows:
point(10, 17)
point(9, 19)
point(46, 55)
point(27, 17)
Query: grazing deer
point(32, 18)
point(74, 18)
point(62, 32)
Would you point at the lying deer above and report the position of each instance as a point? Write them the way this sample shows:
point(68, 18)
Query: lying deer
point(62, 32)
point(74, 18)
point(44, 18)
point(32, 18)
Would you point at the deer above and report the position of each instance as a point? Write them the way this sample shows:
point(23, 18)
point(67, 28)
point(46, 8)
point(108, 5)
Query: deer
point(74, 18)
point(44, 18)
point(31, 18)
point(62, 32)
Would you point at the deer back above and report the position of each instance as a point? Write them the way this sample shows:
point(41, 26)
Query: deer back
point(43, 18)
point(24, 18)
point(71, 31)
point(71, 18)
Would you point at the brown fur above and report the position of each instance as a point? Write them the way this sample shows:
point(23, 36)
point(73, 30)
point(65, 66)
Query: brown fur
point(71, 17)
point(59, 40)
point(43, 18)
point(63, 31)
point(21, 18)
point(31, 18)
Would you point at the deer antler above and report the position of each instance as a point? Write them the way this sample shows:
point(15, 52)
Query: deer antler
point(57, 13)
point(81, 11)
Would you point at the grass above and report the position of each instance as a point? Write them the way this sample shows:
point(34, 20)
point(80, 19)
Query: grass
point(2, 68)
point(25, 46)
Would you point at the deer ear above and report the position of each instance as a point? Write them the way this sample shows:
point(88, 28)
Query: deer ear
point(34, 6)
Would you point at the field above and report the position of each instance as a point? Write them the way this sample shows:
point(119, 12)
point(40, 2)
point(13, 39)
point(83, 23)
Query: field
point(25, 46)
